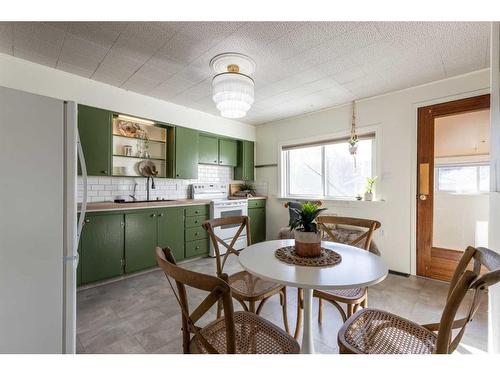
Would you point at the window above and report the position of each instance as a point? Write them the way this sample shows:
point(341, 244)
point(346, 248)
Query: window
point(327, 169)
point(465, 179)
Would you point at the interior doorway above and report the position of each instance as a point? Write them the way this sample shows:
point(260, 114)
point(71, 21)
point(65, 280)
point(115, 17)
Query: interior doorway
point(452, 183)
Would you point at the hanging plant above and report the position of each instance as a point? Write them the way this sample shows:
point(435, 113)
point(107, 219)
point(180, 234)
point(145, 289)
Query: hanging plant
point(353, 140)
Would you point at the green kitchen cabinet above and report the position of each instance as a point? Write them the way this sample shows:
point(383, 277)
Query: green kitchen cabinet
point(246, 161)
point(140, 240)
point(182, 153)
point(101, 247)
point(257, 215)
point(171, 230)
point(228, 152)
point(208, 149)
point(94, 127)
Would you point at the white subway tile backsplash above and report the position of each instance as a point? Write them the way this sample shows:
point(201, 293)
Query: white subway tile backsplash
point(102, 189)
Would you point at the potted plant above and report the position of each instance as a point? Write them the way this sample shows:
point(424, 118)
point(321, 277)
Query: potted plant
point(370, 184)
point(247, 188)
point(307, 236)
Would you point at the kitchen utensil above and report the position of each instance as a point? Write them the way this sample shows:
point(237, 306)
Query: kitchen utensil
point(147, 168)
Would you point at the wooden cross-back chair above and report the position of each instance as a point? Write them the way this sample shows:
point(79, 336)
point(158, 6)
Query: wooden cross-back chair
point(372, 331)
point(353, 298)
point(239, 332)
point(245, 287)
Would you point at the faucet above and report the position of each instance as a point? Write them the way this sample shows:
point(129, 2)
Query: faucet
point(147, 186)
point(134, 198)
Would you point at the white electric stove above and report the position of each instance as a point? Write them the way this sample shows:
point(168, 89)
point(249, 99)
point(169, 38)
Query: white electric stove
point(222, 206)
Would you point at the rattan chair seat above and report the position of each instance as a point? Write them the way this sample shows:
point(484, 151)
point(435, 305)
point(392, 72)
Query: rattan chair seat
point(344, 294)
point(372, 331)
point(250, 287)
point(254, 335)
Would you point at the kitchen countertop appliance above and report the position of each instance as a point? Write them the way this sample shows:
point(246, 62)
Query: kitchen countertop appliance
point(222, 206)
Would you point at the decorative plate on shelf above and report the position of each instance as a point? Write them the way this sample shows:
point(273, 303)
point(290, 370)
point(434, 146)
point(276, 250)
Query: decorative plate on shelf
point(128, 129)
point(147, 168)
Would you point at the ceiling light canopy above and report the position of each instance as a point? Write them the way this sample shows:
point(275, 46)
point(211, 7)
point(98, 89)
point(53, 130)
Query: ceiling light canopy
point(232, 86)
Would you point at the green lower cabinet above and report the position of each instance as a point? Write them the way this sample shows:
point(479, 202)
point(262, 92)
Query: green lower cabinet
point(140, 241)
point(257, 224)
point(196, 248)
point(101, 248)
point(79, 269)
point(171, 230)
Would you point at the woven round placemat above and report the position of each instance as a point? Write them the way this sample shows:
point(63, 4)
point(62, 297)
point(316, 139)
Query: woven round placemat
point(327, 258)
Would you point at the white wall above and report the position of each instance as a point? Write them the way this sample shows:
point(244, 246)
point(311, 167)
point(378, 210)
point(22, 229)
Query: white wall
point(39, 79)
point(396, 116)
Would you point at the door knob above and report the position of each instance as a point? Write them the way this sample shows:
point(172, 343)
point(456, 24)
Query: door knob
point(422, 197)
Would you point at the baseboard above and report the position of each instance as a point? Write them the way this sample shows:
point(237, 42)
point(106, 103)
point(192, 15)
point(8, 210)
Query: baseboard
point(399, 273)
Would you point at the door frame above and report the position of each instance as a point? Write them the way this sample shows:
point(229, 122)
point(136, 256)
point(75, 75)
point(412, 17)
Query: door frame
point(425, 129)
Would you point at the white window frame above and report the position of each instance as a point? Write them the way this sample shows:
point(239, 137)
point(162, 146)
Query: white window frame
point(458, 165)
point(283, 163)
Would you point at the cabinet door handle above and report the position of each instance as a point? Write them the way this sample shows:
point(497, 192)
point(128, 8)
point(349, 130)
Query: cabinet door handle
point(153, 215)
point(196, 233)
point(196, 221)
point(197, 212)
point(161, 215)
point(215, 161)
point(177, 175)
point(104, 172)
point(197, 248)
point(87, 221)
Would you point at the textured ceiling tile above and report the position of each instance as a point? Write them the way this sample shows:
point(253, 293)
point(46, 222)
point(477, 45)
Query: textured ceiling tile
point(102, 33)
point(6, 37)
point(75, 69)
point(300, 66)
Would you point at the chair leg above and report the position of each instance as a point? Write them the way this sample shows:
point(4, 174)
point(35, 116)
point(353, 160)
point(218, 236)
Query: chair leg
point(364, 303)
point(251, 306)
point(298, 325)
point(350, 310)
point(320, 310)
point(261, 305)
point(284, 308)
point(219, 308)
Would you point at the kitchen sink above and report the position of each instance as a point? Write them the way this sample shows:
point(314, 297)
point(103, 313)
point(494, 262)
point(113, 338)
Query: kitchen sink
point(146, 201)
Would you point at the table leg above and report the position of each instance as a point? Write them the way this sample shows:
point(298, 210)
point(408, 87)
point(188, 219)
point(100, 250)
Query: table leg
point(307, 335)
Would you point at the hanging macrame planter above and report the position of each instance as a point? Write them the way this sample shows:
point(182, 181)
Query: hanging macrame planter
point(353, 140)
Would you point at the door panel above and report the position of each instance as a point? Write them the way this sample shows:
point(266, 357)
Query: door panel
point(186, 153)
point(102, 247)
point(228, 152)
point(257, 224)
point(140, 241)
point(245, 168)
point(171, 230)
point(435, 262)
point(94, 126)
point(208, 149)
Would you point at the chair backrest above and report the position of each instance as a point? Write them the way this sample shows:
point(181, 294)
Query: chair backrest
point(210, 225)
point(218, 290)
point(467, 277)
point(363, 240)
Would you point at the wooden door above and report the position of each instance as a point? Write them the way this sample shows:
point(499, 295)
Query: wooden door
point(94, 126)
point(140, 240)
point(102, 247)
point(171, 230)
point(208, 149)
point(434, 262)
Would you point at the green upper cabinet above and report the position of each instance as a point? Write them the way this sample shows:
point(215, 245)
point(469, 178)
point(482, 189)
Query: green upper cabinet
point(228, 152)
point(208, 149)
point(94, 127)
point(182, 152)
point(101, 247)
point(246, 164)
point(140, 240)
point(171, 230)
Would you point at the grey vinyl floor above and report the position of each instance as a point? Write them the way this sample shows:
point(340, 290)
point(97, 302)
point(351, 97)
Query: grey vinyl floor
point(140, 314)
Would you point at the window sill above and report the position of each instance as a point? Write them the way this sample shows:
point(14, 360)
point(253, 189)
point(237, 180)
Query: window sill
point(342, 202)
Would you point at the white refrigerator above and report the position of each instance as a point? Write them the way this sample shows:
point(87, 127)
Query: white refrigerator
point(38, 223)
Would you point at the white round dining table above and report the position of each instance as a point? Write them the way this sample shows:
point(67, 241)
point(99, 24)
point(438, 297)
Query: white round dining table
point(358, 268)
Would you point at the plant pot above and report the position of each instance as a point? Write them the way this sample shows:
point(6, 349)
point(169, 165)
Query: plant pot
point(368, 196)
point(307, 244)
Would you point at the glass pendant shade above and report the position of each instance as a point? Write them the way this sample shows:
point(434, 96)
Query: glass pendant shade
point(233, 94)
